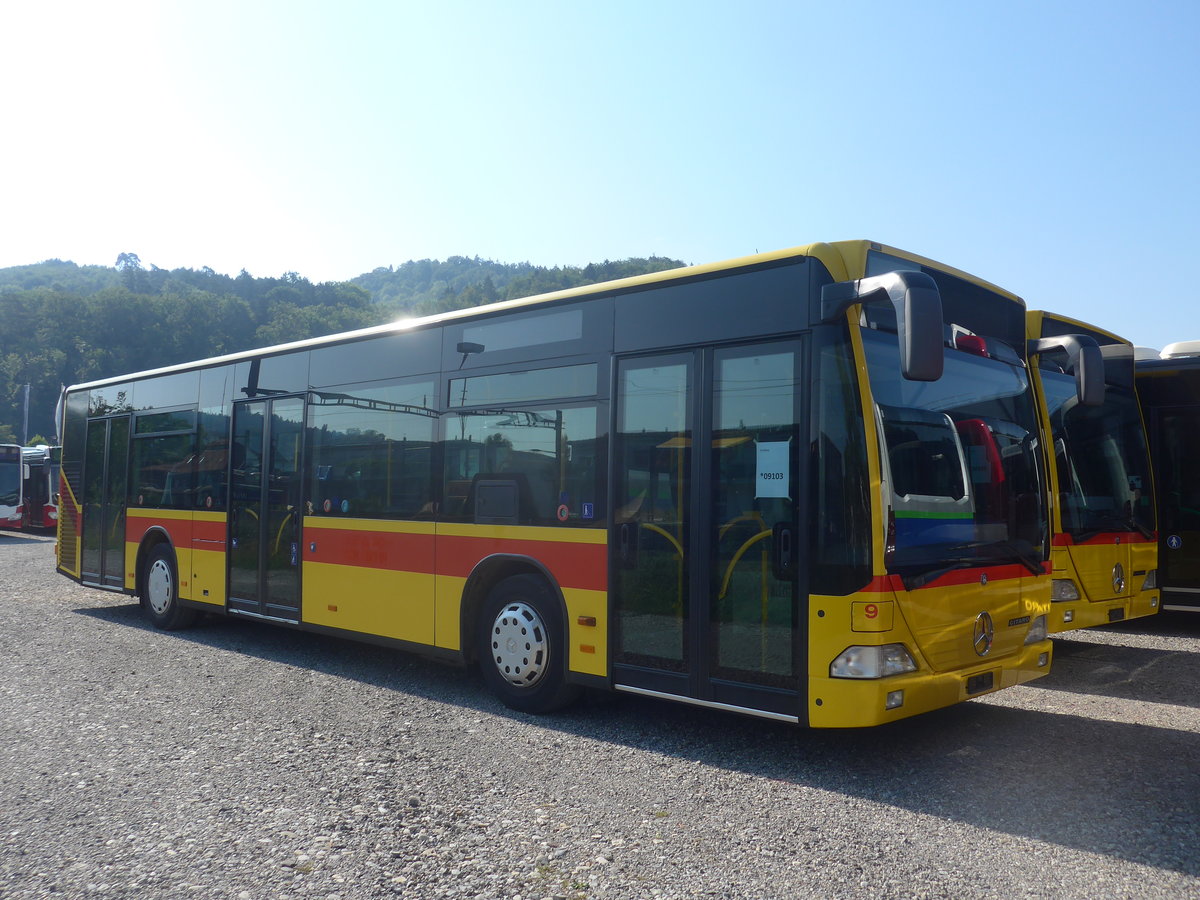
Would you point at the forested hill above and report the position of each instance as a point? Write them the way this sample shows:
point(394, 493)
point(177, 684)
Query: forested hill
point(429, 285)
point(61, 323)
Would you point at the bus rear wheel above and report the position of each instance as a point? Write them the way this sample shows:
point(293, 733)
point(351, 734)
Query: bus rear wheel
point(522, 646)
point(160, 592)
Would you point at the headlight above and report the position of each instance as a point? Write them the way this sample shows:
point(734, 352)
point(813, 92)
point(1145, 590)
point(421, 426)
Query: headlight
point(1037, 630)
point(1064, 589)
point(873, 662)
point(1151, 582)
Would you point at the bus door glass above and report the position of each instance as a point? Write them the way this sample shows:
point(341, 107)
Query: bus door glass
point(706, 549)
point(1177, 457)
point(10, 481)
point(105, 477)
point(264, 507)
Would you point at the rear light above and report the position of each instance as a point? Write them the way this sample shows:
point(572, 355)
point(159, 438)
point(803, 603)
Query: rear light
point(1037, 630)
point(1064, 589)
point(872, 662)
point(971, 343)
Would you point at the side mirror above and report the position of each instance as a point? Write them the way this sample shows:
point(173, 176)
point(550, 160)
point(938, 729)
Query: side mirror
point(918, 316)
point(1083, 358)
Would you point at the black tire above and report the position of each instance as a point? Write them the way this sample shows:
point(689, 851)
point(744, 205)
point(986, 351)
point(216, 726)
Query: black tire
point(160, 592)
point(522, 646)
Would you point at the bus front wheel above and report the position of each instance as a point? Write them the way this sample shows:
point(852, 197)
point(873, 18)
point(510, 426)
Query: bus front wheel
point(160, 592)
point(522, 646)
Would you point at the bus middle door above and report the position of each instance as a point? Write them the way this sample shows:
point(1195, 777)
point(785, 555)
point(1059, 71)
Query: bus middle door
point(265, 508)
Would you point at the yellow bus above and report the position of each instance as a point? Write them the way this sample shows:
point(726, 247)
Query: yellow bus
point(1104, 545)
point(804, 485)
point(1168, 386)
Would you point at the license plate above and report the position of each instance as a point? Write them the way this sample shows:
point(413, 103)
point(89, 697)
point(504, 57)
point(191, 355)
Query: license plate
point(984, 681)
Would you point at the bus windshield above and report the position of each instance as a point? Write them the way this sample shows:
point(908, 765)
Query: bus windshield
point(961, 472)
point(1101, 459)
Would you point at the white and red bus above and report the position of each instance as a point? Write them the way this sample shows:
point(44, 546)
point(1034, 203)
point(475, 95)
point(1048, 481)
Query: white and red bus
point(42, 465)
point(12, 510)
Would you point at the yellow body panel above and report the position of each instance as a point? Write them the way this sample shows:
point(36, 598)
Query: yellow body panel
point(380, 602)
point(853, 703)
point(67, 537)
point(179, 524)
point(199, 556)
point(523, 533)
point(392, 526)
point(942, 647)
point(208, 577)
point(208, 559)
point(1090, 567)
point(872, 615)
point(588, 643)
point(448, 592)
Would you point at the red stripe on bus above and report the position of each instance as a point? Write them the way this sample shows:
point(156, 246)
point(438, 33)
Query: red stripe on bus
point(370, 549)
point(573, 565)
point(1108, 537)
point(882, 584)
point(179, 530)
point(993, 573)
point(209, 532)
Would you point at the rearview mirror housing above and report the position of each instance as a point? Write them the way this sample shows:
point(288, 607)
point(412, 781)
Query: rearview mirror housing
point(918, 316)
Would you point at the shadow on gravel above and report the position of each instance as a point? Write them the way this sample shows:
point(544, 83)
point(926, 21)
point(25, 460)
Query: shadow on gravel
point(1130, 792)
point(22, 537)
point(1113, 669)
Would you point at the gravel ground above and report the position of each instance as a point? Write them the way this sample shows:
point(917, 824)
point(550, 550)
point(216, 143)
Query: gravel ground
point(238, 760)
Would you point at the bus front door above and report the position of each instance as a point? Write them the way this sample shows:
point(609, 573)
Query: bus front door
point(105, 478)
point(1177, 483)
point(264, 508)
point(706, 571)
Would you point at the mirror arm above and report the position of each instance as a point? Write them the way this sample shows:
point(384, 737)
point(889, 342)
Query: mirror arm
point(918, 307)
point(1084, 359)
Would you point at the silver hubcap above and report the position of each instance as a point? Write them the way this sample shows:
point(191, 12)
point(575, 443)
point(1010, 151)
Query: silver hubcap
point(158, 587)
point(520, 649)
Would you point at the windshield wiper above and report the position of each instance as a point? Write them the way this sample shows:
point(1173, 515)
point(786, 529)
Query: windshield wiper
point(1105, 521)
point(981, 554)
point(1134, 525)
point(913, 580)
point(1014, 550)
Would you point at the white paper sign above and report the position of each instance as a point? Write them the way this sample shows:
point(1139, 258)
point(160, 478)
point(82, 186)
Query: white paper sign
point(773, 470)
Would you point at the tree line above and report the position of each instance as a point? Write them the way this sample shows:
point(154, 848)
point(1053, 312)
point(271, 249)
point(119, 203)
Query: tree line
point(62, 324)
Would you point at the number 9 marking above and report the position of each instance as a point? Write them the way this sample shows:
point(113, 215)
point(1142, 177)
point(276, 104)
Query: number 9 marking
point(871, 611)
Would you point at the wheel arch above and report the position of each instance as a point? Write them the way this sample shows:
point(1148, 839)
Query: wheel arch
point(489, 572)
point(154, 537)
